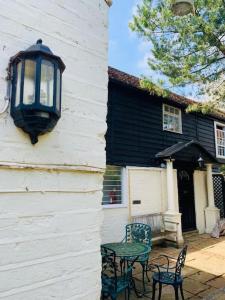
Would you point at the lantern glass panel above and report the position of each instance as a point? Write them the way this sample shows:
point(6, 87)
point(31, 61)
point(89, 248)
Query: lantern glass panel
point(29, 82)
point(18, 83)
point(47, 83)
point(58, 90)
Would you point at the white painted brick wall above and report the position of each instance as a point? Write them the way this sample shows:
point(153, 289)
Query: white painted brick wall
point(114, 222)
point(50, 193)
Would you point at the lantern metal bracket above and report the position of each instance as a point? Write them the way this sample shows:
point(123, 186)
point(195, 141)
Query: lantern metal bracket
point(7, 97)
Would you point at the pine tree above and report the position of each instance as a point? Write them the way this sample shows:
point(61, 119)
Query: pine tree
point(187, 50)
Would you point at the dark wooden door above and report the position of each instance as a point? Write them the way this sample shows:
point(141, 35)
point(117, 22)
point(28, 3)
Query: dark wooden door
point(186, 198)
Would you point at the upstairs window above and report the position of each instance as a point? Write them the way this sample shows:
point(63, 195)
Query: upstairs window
point(220, 139)
point(112, 186)
point(172, 119)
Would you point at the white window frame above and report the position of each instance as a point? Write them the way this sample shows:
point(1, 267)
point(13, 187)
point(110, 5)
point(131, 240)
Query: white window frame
point(124, 191)
point(180, 118)
point(215, 134)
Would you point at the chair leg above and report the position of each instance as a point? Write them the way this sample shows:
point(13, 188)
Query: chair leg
point(143, 276)
point(146, 272)
point(181, 291)
point(160, 290)
point(121, 266)
point(128, 298)
point(153, 289)
point(176, 292)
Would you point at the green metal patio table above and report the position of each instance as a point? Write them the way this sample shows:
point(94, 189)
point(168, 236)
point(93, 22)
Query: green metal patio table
point(129, 251)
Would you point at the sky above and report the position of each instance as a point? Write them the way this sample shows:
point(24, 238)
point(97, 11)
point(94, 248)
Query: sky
point(128, 52)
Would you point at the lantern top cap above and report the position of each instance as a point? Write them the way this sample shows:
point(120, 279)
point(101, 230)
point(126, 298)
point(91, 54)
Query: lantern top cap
point(40, 47)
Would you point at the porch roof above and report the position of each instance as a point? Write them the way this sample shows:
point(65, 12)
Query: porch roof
point(193, 147)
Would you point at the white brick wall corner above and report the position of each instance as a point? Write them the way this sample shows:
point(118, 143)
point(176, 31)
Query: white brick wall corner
point(50, 193)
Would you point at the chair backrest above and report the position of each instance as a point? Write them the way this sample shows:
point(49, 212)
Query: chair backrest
point(109, 268)
point(139, 233)
point(181, 260)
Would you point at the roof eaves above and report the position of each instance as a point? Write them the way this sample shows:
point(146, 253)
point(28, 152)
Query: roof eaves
point(133, 81)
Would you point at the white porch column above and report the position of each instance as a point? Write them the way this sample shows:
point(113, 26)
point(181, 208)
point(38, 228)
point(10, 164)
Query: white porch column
point(172, 217)
point(170, 186)
point(212, 213)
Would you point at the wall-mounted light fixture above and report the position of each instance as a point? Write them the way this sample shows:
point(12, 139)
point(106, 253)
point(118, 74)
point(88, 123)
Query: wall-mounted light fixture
point(163, 165)
point(182, 7)
point(201, 162)
point(36, 75)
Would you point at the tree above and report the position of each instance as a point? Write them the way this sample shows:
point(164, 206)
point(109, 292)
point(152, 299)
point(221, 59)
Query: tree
point(186, 50)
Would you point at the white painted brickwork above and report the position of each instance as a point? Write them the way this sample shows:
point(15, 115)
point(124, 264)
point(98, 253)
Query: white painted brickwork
point(50, 193)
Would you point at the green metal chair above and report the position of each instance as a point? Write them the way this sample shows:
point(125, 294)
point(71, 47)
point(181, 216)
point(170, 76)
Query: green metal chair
point(140, 233)
point(163, 274)
point(114, 280)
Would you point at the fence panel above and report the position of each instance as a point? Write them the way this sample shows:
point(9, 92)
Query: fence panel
point(219, 193)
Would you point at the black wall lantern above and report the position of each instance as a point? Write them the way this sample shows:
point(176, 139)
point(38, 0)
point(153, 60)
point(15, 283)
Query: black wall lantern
point(201, 162)
point(36, 75)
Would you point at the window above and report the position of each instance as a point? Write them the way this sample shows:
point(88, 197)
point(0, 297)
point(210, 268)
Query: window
point(112, 186)
point(220, 139)
point(172, 119)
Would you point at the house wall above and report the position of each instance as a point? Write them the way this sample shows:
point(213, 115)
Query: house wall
point(135, 135)
point(150, 186)
point(135, 128)
point(50, 193)
point(114, 222)
point(146, 184)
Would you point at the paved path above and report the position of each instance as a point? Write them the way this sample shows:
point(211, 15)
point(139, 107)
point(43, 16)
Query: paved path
point(204, 271)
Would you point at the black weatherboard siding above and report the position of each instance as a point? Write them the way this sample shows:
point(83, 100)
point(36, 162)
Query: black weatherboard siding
point(135, 127)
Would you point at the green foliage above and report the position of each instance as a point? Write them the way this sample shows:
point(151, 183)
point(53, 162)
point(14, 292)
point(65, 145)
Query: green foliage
point(222, 169)
point(189, 49)
point(153, 88)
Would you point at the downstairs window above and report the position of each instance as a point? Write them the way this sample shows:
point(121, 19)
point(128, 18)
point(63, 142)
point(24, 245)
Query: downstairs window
point(112, 186)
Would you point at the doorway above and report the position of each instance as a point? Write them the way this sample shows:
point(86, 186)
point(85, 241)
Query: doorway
point(186, 197)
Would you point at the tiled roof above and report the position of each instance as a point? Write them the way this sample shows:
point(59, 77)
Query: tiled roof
point(133, 81)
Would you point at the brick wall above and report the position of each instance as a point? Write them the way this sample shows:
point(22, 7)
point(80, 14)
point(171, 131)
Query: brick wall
point(50, 193)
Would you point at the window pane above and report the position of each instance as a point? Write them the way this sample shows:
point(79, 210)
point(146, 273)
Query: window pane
point(112, 190)
point(165, 121)
point(176, 111)
point(18, 84)
point(29, 82)
point(47, 82)
point(171, 123)
point(166, 108)
point(58, 90)
point(171, 110)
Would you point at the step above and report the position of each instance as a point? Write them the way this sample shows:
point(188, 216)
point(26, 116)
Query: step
point(190, 233)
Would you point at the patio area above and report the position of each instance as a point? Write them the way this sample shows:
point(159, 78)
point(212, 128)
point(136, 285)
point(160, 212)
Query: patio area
point(204, 270)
